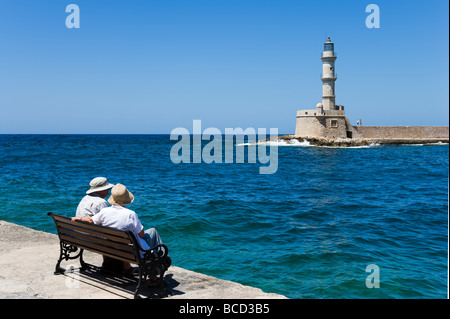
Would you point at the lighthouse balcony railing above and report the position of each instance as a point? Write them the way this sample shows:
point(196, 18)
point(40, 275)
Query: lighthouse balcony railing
point(328, 77)
point(327, 55)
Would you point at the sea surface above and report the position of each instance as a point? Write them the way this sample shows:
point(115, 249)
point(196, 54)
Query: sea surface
point(310, 230)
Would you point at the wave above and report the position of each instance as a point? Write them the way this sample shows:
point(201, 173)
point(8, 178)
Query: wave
point(371, 145)
point(304, 143)
point(438, 143)
point(425, 144)
point(283, 142)
point(279, 142)
point(366, 146)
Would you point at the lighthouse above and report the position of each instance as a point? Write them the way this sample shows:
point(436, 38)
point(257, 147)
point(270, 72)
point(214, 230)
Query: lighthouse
point(328, 76)
point(327, 120)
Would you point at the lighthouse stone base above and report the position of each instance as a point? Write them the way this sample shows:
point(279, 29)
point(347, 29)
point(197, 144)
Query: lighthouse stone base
point(332, 128)
point(330, 124)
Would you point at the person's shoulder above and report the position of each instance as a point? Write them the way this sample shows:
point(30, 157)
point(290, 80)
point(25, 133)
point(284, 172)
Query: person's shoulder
point(107, 209)
point(85, 198)
point(104, 211)
point(129, 211)
point(98, 202)
point(98, 199)
point(101, 213)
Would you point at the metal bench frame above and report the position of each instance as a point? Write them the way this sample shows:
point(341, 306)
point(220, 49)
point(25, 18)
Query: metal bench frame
point(77, 236)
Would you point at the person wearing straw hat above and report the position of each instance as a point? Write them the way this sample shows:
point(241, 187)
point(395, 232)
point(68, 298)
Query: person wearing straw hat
point(94, 200)
point(119, 217)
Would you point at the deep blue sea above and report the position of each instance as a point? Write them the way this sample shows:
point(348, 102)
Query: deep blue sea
point(307, 231)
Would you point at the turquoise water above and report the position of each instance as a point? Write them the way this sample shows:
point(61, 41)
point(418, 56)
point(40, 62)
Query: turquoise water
point(307, 231)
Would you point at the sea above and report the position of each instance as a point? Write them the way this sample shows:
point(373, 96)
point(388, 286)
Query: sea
point(330, 223)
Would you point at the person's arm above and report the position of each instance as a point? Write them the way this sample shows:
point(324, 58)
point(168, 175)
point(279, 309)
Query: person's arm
point(84, 219)
point(136, 224)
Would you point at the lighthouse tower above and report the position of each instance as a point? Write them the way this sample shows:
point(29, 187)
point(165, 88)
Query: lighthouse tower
point(327, 120)
point(328, 76)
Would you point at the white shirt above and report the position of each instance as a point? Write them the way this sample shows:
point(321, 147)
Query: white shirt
point(121, 218)
point(90, 205)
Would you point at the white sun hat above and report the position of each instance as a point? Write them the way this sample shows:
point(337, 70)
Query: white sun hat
point(99, 184)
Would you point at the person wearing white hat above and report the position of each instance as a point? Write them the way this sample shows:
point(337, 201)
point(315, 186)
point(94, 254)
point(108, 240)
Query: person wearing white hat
point(94, 200)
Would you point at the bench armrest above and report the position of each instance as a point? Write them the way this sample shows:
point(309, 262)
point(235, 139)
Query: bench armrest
point(156, 252)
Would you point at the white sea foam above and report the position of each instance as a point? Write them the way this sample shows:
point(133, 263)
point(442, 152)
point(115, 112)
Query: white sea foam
point(282, 142)
point(438, 143)
point(425, 144)
point(305, 143)
point(366, 146)
point(278, 142)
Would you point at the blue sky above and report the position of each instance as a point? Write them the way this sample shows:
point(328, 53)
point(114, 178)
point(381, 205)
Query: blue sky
point(151, 66)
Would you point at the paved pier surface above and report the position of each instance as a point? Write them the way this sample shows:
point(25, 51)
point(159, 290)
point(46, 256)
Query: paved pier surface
point(28, 258)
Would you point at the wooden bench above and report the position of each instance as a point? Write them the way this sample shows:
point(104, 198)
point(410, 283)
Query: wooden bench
point(77, 236)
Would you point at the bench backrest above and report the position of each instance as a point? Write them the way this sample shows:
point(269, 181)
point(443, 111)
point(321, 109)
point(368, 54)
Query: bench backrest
point(107, 241)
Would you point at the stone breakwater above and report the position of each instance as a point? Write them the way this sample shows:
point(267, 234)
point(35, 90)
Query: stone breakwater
point(404, 132)
point(352, 142)
point(28, 258)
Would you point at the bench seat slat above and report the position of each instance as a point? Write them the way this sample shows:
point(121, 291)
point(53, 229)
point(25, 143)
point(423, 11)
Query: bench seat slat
point(98, 248)
point(102, 253)
point(123, 238)
point(126, 247)
point(94, 227)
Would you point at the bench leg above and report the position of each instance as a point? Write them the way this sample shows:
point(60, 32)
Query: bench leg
point(64, 254)
point(145, 273)
point(84, 265)
point(164, 292)
point(142, 277)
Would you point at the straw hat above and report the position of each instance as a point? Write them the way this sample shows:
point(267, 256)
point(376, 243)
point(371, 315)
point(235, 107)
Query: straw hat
point(120, 195)
point(99, 184)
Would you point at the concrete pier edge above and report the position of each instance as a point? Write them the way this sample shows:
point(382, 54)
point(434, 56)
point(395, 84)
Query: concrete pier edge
point(28, 258)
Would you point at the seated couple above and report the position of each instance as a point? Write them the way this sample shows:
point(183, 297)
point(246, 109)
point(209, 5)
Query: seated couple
point(93, 208)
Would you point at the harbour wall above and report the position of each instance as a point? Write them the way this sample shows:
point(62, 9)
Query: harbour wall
point(403, 132)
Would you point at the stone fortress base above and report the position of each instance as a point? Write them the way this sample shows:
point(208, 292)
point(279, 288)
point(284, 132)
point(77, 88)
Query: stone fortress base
point(325, 128)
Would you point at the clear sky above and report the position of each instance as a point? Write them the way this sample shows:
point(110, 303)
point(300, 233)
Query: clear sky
point(151, 66)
